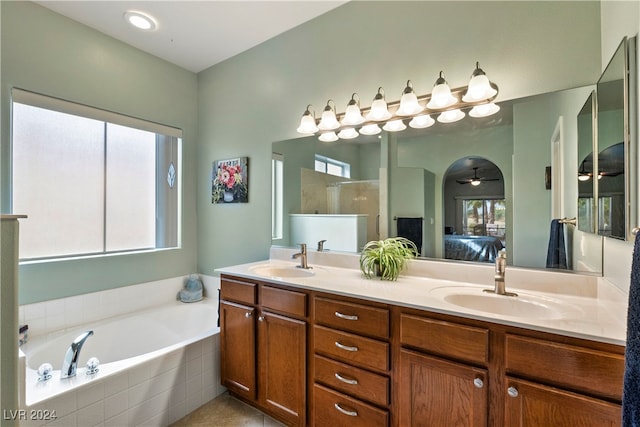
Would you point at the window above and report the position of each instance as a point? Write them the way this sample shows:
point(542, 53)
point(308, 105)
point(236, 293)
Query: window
point(277, 189)
point(91, 181)
point(332, 166)
point(484, 217)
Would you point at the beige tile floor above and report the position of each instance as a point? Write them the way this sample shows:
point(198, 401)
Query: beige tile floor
point(226, 411)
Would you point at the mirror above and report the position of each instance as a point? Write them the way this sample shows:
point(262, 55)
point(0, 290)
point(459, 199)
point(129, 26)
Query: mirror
point(410, 168)
point(587, 213)
point(612, 146)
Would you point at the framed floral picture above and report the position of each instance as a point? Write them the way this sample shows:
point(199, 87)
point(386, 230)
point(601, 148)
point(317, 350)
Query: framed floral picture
point(229, 181)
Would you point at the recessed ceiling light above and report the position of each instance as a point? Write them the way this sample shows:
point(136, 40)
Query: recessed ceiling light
point(140, 20)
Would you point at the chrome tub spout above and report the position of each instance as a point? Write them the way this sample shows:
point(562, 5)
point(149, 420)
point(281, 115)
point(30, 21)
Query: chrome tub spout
point(70, 362)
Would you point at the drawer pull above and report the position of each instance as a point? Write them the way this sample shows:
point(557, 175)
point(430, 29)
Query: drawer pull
point(346, 347)
point(478, 382)
point(248, 314)
point(261, 318)
point(512, 391)
point(345, 411)
point(346, 380)
point(346, 316)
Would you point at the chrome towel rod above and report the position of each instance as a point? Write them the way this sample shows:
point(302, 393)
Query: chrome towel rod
point(571, 221)
point(635, 230)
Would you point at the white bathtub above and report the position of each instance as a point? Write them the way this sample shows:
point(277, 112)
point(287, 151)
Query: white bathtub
point(150, 361)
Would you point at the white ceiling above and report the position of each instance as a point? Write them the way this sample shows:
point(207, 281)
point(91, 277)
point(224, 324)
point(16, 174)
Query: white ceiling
point(195, 34)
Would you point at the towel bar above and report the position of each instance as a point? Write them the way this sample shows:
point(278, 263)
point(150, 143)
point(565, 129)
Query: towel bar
point(635, 230)
point(572, 221)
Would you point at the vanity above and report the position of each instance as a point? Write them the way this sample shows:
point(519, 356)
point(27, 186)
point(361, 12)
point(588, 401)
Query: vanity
point(326, 346)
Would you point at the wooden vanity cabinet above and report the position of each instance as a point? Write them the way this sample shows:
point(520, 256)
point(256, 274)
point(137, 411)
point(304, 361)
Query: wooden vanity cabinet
point(443, 378)
point(263, 338)
point(314, 358)
point(351, 363)
point(456, 371)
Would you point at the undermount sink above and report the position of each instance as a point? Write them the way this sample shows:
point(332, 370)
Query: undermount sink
point(280, 271)
point(523, 305)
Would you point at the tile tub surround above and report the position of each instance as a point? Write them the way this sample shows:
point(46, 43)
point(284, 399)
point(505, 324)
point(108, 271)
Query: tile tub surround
point(158, 391)
point(603, 306)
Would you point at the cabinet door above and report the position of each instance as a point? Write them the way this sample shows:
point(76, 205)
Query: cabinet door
point(533, 405)
point(436, 392)
point(281, 359)
point(238, 349)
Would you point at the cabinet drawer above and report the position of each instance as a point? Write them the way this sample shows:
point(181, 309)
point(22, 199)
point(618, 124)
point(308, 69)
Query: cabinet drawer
point(351, 380)
point(352, 317)
point(351, 348)
point(331, 408)
point(461, 342)
point(569, 366)
point(235, 290)
point(283, 300)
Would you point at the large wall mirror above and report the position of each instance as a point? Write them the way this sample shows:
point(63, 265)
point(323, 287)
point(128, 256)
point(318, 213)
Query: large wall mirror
point(421, 174)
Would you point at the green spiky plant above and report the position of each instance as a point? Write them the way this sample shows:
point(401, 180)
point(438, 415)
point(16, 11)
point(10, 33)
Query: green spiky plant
point(386, 258)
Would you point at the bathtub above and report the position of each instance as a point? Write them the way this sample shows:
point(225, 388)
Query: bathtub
point(152, 364)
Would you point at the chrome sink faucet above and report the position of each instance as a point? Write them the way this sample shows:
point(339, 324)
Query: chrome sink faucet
point(321, 245)
point(70, 362)
point(303, 256)
point(499, 277)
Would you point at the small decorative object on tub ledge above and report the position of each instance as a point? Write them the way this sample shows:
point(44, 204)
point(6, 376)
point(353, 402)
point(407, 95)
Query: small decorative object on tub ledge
point(386, 258)
point(192, 291)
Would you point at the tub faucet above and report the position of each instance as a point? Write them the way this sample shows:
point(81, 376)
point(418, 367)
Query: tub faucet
point(70, 362)
point(499, 277)
point(303, 256)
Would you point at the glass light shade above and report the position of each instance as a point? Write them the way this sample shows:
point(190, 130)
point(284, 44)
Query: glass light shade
point(394, 126)
point(348, 133)
point(370, 129)
point(409, 105)
point(379, 111)
point(328, 120)
point(307, 124)
point(352, 115)
point(584, 177)
point(420, 122)
point(484, 110)
point(441, 97)
point(475, 182)
point(450, 116)
point(328, 137)
point(479, 89)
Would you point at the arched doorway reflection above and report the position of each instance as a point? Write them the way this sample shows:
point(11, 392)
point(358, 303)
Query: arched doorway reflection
point(474, 210)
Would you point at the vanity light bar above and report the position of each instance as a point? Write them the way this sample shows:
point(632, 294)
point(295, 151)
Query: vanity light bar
point(477, 96)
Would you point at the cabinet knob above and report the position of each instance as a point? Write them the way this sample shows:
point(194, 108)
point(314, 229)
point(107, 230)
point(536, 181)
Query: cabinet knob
point(345, 411)
point(248, 314)
point(478, 382)
point(260, 318)
point(512, 391)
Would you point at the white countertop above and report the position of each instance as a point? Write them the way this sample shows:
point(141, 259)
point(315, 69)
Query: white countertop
point(598, 309)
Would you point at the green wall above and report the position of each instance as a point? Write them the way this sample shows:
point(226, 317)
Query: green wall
point(47, 53)
point(239, 107)
point(257, 97)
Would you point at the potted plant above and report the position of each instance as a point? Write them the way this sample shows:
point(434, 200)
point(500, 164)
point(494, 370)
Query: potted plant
point(386, 258)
